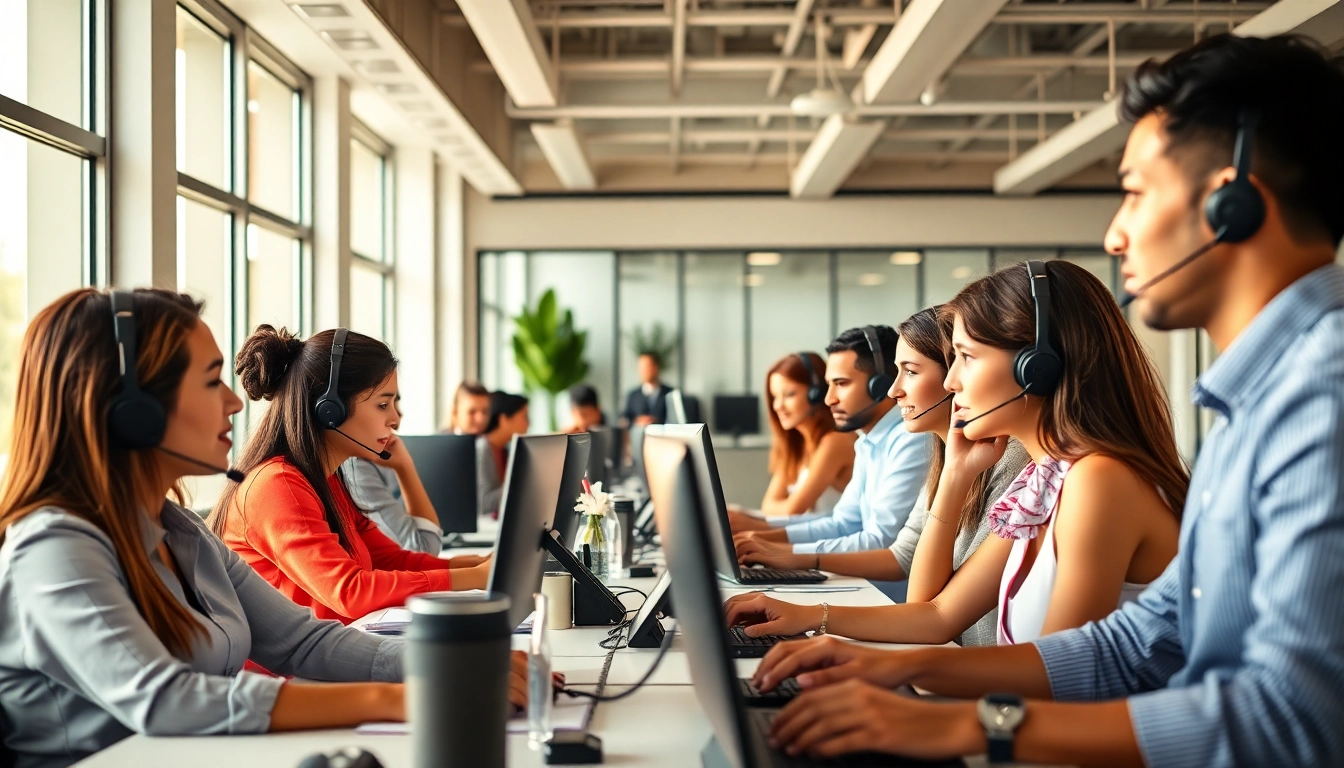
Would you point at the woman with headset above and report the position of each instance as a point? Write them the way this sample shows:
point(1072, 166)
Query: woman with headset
point(1090, 521)
point(810, 463)
point(292, 518)
point(955, 500)
point(120, 613)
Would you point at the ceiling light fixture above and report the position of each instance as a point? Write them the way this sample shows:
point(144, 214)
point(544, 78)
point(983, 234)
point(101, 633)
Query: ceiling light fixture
point(961, 273)
point(822, 101)
point(392, 89)
point(906, 258)
point(350, 39)
point(764, 259)
point(753, 281)
point(872, 279)
point(321, 10)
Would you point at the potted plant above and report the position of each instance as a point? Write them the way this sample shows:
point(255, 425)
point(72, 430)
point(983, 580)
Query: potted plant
point(548, 350)
point(657, 342)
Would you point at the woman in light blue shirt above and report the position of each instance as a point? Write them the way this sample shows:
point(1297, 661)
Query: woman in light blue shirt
point(120, 612)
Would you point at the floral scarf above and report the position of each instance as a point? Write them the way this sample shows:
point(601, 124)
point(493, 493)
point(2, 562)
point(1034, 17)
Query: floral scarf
point(1026, 506)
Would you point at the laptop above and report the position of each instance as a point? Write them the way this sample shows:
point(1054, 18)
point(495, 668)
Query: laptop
point(740, 732)
point(697, 440)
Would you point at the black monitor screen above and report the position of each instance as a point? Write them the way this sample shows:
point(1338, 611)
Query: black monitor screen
point(737, 414)
point(447, 468)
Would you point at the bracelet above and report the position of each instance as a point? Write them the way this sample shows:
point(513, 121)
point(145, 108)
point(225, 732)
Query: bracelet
point(939, 519)
point(825, 617)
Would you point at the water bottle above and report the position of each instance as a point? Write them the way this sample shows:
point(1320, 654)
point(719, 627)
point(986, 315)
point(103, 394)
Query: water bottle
point(615, 544)
point(539, 685)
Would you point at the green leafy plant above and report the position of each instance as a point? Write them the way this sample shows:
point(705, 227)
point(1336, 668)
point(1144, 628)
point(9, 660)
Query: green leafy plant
point(657, 341)
point(548, 350)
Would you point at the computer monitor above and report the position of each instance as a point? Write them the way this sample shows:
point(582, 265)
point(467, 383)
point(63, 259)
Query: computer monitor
point(447, 467)
point(700, 617)
point(676, 408)
point(571, 485)
point(605, 455)
point(697, 441)
point(739, 734)
point(526, 511)
point(646, 631)
point(737, 414)
point(637, 455)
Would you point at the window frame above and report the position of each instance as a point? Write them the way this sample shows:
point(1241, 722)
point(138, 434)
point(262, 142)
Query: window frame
point(386, 265)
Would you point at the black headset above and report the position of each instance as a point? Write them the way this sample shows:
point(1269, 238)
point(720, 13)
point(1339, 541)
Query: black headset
point(1038, 367)
point(1236, 210)
point(330, 409)
point(882, 379)
point(816, 386)
point(135, 420)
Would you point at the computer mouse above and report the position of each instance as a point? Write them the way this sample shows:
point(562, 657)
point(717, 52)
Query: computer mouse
point(348, 757)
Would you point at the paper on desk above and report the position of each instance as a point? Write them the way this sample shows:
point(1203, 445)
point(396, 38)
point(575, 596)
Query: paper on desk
point(567, 715)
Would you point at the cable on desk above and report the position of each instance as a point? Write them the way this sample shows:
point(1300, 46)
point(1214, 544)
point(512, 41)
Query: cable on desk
point(606, 667)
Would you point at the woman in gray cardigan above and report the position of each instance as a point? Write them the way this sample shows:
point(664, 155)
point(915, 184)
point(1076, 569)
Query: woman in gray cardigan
point(120, 612)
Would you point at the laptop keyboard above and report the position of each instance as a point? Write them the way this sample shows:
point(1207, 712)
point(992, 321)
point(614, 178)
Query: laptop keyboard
point(785, 690)
point(756, 575)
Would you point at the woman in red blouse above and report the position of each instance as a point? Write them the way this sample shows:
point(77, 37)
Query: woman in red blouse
point(292, 518)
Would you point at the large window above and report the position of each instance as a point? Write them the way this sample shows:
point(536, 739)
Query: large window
point(734, 313)
point(243, 211)
point(371, 266)
point(52, 167)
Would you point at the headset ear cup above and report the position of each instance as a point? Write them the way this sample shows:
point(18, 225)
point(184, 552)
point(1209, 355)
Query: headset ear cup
point(879, 385)
point(1236, 209)
point(136, 423)
point(330, 413)
point(1036, 371)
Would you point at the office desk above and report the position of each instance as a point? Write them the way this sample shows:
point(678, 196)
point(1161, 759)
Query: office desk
point(662, 725)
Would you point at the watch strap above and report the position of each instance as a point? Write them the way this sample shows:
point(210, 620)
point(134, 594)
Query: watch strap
point(1000, 748)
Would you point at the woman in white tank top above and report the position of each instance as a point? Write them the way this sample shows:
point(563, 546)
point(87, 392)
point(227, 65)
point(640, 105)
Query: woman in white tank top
point(810, 463)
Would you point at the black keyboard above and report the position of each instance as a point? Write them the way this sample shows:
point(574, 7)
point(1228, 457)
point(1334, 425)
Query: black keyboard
point(780, 695)
point(744, 646)
point(758, 575)
point(758, 721)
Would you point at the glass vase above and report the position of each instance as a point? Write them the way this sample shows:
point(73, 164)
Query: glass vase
point(602, 535)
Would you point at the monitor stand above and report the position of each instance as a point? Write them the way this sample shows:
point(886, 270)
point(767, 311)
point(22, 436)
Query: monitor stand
point(594, 604)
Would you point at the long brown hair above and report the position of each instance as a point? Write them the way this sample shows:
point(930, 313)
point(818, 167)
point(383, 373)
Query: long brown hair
point(274, 365)
point(929, 332)
point(60, 454)
point(788, 447)
point(1110, 399)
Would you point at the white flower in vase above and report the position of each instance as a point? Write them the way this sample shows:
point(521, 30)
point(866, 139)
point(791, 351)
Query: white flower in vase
point(593, 502)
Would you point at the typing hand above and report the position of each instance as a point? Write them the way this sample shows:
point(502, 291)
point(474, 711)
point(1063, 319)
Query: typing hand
point(856, 716)
point(468, 561)
point(741, 522)
point(820, 661)
point(764, 616)
point(756, 549)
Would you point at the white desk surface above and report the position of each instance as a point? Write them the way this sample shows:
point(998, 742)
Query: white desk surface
point(663, 725)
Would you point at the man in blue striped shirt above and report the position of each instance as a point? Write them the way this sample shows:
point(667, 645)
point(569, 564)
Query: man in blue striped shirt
point(1235, 655)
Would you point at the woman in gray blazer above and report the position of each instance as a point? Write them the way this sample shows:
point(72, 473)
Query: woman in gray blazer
point(120, 612)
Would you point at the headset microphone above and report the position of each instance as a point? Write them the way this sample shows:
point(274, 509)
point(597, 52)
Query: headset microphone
point(384, 455)
point(1178, 266)
point(228, 472)
point(961, 423)
point(926, 411)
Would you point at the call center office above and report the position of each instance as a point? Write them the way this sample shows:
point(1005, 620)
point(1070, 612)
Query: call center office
point(879, 250)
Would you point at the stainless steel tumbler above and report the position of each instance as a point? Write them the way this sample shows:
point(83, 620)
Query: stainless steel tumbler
point(457, 679)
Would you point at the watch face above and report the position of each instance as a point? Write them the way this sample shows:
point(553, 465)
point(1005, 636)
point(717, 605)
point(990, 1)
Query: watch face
point(998, 715)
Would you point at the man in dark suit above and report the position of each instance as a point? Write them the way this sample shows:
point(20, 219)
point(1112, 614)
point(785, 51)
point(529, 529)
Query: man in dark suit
point(647, 403)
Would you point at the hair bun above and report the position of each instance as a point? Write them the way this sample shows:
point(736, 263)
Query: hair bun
point(264, 360)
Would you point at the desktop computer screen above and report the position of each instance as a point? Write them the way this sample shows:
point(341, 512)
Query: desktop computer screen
point(737, 414)
point(526, 511)
point(701, 452)
point(447, 467)
point(571, 485)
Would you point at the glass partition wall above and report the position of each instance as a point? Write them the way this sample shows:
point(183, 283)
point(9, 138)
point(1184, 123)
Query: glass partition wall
point(733, 313)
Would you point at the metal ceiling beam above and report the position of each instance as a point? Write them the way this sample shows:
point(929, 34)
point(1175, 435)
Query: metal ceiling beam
point(1100, 133)
point(669, 110)
point(749, 136)
point(678, 45)
point(839, 147)
point(927, 40)
point(509, 36)
point(656, 66)
point(794, 35)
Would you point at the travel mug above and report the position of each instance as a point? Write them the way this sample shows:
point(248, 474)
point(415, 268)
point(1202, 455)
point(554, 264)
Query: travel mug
point(625, 513)
point(457, 679)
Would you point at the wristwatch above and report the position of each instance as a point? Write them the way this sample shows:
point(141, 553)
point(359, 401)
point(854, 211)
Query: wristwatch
point(1001, 714)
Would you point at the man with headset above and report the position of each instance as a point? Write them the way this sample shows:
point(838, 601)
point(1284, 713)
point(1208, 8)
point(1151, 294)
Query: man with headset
point(1231, 220)
point(889, 462)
